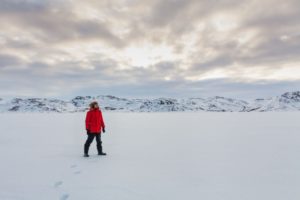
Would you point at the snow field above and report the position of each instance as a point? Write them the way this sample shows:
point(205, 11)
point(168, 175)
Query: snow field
point(155, 156)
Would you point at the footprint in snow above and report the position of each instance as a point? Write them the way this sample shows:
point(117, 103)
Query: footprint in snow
point(73, 166)
point(64, 197)
point(58, 183)
point(77, 172)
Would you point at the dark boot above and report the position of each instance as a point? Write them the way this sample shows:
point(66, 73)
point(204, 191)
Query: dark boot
point(86, 150)
point(100, 152)
point(99, 145)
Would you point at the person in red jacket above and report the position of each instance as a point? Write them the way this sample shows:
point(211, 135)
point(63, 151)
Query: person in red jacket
point(94, 124)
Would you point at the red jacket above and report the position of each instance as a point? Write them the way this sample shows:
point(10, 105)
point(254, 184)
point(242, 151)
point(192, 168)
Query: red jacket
point(94, 121)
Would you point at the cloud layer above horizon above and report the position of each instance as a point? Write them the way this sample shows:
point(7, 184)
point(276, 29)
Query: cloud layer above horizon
point(149, 48)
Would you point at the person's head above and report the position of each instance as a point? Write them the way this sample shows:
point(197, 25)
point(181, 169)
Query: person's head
point(94, 105)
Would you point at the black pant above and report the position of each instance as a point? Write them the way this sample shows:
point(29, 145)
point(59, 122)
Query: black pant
point(90, 140)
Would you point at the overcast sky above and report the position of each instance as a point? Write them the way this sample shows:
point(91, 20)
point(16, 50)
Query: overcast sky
point(149, 48)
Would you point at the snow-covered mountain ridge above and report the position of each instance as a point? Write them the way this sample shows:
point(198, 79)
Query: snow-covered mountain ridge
point(289, 101)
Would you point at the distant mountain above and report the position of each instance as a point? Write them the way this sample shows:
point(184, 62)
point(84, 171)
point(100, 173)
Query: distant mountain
point(289, 101)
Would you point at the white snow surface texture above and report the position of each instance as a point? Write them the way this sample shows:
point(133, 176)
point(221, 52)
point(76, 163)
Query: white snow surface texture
point(152, 156)
point(289, 101)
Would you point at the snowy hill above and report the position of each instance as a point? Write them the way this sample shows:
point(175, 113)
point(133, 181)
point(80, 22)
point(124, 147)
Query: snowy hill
point(289, 101)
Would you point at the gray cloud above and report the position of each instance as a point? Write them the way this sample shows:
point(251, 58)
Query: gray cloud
point(68, 47)
point(165, 12)
point(54, 22)
point(220, 61)
point(7, 60)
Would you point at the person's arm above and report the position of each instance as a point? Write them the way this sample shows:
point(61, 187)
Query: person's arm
point(102, 122)
point(87, 121)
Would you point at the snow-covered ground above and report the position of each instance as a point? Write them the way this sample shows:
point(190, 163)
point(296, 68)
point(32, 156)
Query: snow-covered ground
point(152, 156)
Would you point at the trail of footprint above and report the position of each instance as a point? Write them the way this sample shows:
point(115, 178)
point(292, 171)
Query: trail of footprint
point(77, 172)
point(57, 184)
point(64, 197)
point(73, 166)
